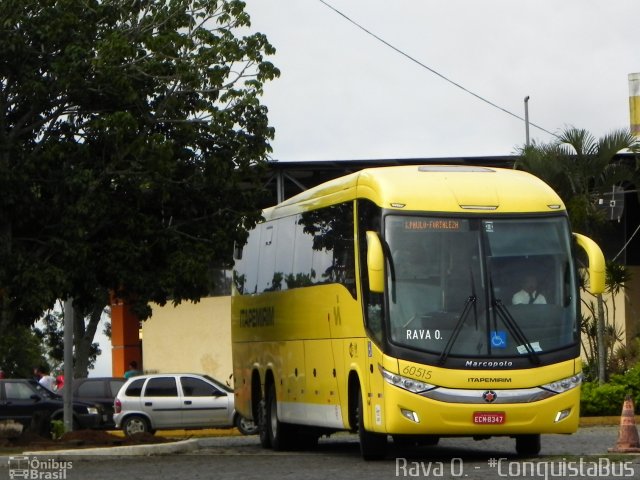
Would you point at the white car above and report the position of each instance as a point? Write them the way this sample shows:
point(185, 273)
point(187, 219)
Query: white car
point(147, 403)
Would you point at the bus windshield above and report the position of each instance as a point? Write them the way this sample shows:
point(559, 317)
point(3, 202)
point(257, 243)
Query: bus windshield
point(480, 287)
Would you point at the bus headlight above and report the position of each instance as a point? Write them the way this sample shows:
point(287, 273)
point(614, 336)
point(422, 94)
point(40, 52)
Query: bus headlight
point(410, 384)
point(560, 386)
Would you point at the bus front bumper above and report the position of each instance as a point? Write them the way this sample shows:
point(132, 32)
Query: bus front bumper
point(405, 412)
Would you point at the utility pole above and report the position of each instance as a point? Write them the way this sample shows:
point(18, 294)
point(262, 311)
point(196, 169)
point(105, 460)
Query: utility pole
point(67, 396)
point(526, 119)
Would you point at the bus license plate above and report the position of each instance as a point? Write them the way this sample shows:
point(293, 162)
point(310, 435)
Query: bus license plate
point(489, 418)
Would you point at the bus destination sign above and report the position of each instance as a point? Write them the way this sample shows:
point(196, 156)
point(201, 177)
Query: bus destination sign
point(434, 224)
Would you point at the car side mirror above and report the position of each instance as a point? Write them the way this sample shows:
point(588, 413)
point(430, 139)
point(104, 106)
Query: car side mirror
point(36, 398)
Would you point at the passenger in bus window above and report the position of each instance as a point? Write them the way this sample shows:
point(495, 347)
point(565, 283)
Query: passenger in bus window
point(529, 293)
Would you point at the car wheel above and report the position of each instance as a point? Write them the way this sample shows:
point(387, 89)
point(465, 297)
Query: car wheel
point(40, 423)
point(246, 426)
point(135, 424)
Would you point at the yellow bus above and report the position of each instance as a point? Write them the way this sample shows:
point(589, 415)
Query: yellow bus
point(412, 302)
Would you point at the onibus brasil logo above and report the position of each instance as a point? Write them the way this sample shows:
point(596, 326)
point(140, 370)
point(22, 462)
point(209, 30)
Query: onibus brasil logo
point(38, 469)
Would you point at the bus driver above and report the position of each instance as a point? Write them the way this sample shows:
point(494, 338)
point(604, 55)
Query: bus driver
point(529, 293)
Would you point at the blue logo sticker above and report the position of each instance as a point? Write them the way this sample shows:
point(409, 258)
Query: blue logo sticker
point(499, 339)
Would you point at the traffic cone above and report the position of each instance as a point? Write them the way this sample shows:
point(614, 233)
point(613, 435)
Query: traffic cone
point(628, 441)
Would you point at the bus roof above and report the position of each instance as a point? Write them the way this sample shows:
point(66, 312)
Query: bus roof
point(434, 188)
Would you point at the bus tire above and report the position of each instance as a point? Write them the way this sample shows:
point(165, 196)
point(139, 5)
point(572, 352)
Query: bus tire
point(528, 444)
point(263, 431)
point(373, 446)
point(279, 433)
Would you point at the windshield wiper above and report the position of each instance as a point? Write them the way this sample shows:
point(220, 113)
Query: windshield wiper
point(511, 324)
point(515, 330)
point(471, 302)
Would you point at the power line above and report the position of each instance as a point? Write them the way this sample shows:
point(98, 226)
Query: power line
point(435, 72)
point(626, 244)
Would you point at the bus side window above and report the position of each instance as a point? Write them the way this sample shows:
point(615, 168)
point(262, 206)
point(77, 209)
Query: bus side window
point(369, 216)
point(285, 243)
point(267, 258)
point(245, 275)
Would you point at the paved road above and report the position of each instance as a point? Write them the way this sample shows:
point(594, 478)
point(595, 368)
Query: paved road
point(588, 441)
point(583, 455)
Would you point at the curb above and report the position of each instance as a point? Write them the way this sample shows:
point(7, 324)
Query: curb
point(181, 446)
point(609, 421)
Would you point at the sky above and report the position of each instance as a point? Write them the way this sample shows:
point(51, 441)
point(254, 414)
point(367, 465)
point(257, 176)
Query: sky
point(344, 95)
point(102, 367)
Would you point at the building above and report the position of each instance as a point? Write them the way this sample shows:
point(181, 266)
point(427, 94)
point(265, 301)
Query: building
point(196, 337)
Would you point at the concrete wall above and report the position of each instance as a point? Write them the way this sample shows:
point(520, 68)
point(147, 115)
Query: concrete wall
point(191, 337)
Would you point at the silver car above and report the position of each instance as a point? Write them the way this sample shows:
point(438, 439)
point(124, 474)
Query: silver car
point(147, 403)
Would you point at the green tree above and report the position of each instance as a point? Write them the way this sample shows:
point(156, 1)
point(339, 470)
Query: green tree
point(85, 349)
point(581, 168)
point(130, 133)
point(20, 351)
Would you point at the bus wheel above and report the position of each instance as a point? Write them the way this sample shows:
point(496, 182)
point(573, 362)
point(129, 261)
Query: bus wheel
point(263, 430)
point(528, 444)
point(278, 433)
point(373, 446)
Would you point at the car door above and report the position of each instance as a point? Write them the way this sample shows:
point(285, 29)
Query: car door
point(93, 391)
point(203, 403)
point(20, 401)
point(161, 402)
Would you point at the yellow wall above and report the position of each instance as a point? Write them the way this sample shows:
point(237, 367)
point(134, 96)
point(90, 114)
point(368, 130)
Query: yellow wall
point(616, 316)
point(627, 309)
point(191, 337)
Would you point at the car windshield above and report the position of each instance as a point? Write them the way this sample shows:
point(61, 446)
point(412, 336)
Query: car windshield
point(471, 287)
point(221, 385)
point(44, 392)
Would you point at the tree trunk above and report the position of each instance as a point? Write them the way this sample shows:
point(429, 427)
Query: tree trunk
point(83, 339)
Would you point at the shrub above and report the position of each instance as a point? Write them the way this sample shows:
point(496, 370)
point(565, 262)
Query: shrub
point(630, 380)
point(607, 399)
point(57, 429)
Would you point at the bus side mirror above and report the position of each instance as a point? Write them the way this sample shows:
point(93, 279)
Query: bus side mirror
point(375, 262)
point(596, 263)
